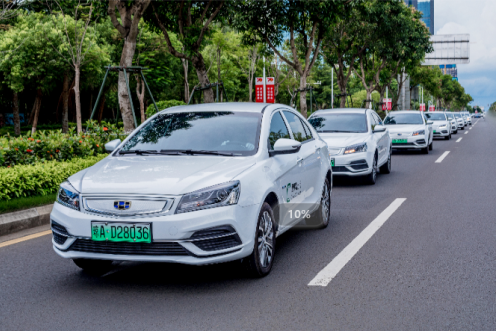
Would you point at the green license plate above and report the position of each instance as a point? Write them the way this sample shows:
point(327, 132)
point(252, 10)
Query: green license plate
point(400, 141)
point(434, 131)
point(121, 232)
point(332, 162)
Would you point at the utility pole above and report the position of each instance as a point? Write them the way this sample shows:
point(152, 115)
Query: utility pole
point(332, 87)
point(264, 83)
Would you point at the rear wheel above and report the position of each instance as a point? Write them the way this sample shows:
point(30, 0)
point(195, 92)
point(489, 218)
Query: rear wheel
point(94, 267)
point(321, 218)
point(386, 167)
point(372, 177)
point(260, 262)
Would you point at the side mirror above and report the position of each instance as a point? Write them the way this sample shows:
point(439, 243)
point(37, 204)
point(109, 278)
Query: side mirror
point(285, 146)
point(430, 122)
point(379, 128)
point(112, 145)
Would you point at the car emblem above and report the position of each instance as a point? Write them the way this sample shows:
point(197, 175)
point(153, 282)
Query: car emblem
point(122, 205)
point(399, 134)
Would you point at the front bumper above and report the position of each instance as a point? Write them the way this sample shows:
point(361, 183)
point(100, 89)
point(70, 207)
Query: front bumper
point(444, 132)
point(171, 236)
point(356, 164)
point(413, 142)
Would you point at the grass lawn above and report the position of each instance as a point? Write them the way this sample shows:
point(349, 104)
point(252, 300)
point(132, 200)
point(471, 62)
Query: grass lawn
point(7, 206)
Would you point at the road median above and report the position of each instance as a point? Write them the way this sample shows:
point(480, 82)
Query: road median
point(24, 219)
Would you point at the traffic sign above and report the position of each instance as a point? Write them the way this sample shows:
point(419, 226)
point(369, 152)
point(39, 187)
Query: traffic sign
point(387, 103)
point(270, 90)
point(432, 108)
point(270, 96)
point(422, 107)
point(259, 85)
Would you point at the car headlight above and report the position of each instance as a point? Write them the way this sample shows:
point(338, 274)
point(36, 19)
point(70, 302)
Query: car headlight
point(210, 197)
point(356, 148)
point(442, 126)
point(418, 133)
point(68, 196)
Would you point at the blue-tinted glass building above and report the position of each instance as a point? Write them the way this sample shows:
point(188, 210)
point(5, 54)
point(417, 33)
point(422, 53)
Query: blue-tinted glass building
point(427, 9)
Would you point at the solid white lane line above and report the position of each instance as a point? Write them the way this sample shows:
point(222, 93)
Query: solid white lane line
point(325, 276)
point(466, 132)
point(459, 139)
point(441, 158)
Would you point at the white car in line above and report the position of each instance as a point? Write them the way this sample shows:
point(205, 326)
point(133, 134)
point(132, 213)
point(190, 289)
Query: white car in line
point(409, 130)
point(441, 128)
point(197, 184)
point(453, 122)
point(359, 144)
point(460, 121)
point(467, 117)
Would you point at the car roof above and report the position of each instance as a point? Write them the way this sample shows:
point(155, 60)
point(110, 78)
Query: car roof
point(224, 106)
point(405, 112)
point(341, 110)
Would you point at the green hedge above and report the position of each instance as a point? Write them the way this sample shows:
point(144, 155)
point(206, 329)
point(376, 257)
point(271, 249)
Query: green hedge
point(40, 179)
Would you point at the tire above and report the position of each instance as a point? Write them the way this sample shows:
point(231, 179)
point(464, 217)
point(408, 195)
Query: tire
point(447, 138)
point(386, 167)
point(94, 267)
point(320, 219)
point(463, 128)
point(425, 150)
point(456, 131)
point(430, 145)
point(259, 263)
point(371, 178)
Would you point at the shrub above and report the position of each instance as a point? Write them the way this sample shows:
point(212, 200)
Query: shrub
point(40, 179)
point(150, 111)
point(46, 146)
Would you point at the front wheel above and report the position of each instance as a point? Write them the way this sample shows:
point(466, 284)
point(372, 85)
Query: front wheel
point(321, 218)
point(386, 167)
point(260, 262)
point(447, 137)
point(93, 267)
point(430, 145)
point(372, 177)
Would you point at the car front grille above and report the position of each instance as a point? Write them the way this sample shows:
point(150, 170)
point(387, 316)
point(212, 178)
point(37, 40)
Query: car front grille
point(121, 248)
point(405, 144)
point(59, 228)
point(340, 169)
point(59, 239)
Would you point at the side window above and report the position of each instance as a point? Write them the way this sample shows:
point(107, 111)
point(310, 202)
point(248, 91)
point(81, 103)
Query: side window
point(278, 130)
point(377, 118)
point(296, 126)
point(373, 121)
point(307, 129)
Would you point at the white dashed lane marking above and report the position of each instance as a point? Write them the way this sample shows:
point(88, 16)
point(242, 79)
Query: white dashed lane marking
point(325, 276)
point(466, 132)
point(441, 158)
point(460, 139)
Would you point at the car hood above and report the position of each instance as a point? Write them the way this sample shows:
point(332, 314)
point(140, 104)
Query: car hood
point(405, 128)
point(343, 139)
point(168, 175)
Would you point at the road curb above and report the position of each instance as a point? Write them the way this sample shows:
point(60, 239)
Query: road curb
point(24, 219)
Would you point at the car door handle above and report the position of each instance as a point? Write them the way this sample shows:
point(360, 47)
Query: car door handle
point(298, 159)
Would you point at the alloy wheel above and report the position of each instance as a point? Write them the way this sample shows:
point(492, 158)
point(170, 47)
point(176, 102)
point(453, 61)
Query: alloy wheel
point(265, 240)
point(326, 204)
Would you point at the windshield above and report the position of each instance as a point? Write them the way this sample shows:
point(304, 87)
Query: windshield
point(457, 115)
point(450, 116)
point(435, 116)
point(356, 123)
point(223, 132)
point(403, 118)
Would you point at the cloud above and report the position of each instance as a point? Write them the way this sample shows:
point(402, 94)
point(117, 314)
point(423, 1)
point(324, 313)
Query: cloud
point(475, 17)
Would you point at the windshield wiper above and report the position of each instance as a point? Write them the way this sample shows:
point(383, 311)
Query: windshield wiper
point(139, 152)
point(192, 152)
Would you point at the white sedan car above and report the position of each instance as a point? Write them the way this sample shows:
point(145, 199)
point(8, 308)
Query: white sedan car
point(453, 122)
point(197, 185)
point(409, 130)
point(467, 117)
point(460, 121)
point(359, 145)
point(441, 128)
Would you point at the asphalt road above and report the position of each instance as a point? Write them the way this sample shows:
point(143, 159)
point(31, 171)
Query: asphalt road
point(430, 266)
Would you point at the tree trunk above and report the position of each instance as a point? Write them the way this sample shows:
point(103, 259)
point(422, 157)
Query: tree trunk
point(78, 100)
point(201, 72)
point(36, 110)
point(303, 96)
point(100, 109)
point(140, 91)
point(185, 64)
point(15, 111)
point(368, 103)
point(124, 98)
point(65, 103)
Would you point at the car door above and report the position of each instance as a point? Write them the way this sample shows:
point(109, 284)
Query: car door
point(377, 136)
point(308, 161)
point(285, 167)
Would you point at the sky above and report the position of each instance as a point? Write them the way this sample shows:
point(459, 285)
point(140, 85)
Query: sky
point(476, 17)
